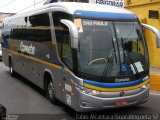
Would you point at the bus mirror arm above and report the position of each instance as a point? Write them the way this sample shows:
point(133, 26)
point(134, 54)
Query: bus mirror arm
point(155, 31)
point(73, 32)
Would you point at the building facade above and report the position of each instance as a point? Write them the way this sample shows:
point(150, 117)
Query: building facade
point(2, 16)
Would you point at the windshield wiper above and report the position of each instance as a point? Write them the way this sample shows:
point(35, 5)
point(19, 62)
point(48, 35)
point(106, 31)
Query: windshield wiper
point(108, 65)
point(109, 58)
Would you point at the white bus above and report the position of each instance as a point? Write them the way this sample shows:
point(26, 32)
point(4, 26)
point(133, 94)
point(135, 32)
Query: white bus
point(90, 57)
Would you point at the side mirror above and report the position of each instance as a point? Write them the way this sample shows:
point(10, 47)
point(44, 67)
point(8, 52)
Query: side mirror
point(73, 32)
point(155, 31)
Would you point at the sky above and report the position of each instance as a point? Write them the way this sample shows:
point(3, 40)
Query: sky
point(14, 6)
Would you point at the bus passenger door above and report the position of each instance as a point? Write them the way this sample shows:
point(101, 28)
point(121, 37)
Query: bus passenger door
point(66, 57)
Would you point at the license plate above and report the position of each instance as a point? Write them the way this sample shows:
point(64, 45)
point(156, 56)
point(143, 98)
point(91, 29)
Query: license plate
point(121, 103)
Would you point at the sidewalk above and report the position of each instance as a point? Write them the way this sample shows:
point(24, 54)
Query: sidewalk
point(155, 79)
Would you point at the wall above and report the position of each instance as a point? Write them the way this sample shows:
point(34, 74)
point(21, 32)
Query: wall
point(135, 2)
point(4, 15)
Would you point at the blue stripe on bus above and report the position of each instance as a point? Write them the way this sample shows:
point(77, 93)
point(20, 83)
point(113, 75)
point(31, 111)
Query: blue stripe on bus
point(106, 15)
point(114, 85)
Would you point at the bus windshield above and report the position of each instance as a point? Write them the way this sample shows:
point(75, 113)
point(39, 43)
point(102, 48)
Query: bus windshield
point(111, 48)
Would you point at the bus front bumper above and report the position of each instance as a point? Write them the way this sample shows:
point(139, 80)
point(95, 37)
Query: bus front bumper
point(93, 103)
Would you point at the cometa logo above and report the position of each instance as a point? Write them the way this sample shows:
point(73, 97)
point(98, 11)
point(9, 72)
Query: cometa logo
point(122, 80)
point(30, 49)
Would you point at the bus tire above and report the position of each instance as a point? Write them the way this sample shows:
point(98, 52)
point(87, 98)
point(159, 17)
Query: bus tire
point(11, 69)
point(50, 93)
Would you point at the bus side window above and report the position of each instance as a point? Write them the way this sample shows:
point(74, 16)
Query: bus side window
point(66, 49)
point(39, 28)
point(57, 16)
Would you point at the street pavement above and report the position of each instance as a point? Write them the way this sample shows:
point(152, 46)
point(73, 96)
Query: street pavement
point(21, 97)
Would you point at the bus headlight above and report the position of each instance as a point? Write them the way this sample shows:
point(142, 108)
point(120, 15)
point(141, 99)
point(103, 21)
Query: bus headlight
point(87, 91)
point(145, 86)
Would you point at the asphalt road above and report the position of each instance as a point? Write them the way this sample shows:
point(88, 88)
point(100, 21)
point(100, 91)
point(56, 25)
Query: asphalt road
point(21, 97)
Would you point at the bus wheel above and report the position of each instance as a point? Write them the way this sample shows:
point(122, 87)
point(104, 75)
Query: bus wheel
point(50, 91)
point(11, 69)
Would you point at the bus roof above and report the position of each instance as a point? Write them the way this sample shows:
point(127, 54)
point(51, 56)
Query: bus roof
point(83, 10)
point(94, 10)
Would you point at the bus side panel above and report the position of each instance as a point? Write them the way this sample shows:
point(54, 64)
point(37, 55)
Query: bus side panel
point(33, 67)
point(4, 45)
point(5, 56)
point(70, 94)
point(56, 76)
point(49, 63)
point(19, 64)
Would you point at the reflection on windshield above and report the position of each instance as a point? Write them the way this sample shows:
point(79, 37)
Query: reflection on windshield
point(96, 43)
point(102, 54)
point(131, 45)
